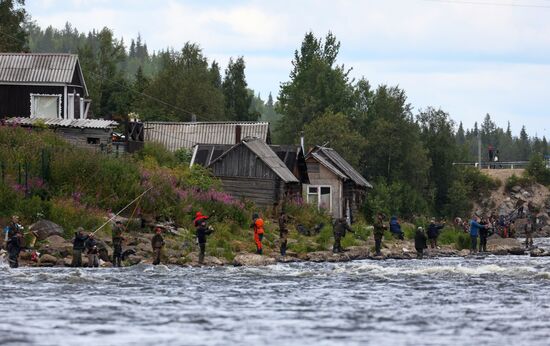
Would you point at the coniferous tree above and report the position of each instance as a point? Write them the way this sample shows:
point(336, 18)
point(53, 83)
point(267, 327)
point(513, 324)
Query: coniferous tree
point(13, 37)
point(235, 91)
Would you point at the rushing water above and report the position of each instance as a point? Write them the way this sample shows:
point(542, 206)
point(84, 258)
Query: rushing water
point(451, 301)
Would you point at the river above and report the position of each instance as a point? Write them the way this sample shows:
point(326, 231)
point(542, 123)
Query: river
point(448, 301)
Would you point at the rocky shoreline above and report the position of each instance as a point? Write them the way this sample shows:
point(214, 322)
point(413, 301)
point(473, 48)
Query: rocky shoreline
point(55, 251)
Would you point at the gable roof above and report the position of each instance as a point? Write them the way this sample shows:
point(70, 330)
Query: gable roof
point(177, 135)
point(330, 158)
point(36, 68)
point(267, 155)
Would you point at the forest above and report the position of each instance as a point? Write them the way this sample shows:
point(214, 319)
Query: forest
point(407, 154)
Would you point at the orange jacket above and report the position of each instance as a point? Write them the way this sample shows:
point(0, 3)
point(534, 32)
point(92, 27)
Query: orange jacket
point(259, 226)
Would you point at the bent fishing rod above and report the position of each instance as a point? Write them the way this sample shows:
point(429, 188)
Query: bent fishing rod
point(126, 207)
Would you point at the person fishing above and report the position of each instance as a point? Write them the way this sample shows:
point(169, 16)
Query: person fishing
point(433, 232)
point(379, 229)
point(157, 244)
point(395, 228)
point(14, 244)
point(258, 226)
point(117, 238)
point(483, 235)
point(92, 251)
point(420, 242)
point(202, 230)
point(529, 229)
point(79, 244)
point(199, 217)
point(339, 229)
point(475, 226)
point(283, 232)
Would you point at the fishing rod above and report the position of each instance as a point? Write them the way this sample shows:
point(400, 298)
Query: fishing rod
point(117, 214)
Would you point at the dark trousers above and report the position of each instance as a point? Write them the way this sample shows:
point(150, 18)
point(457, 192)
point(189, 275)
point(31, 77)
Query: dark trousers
point(77, 258)
point(528, 239)
point(473, 247)
point(433, 243)
point(117, 255)
point(156, 255)
point(13, 259)
point(483, 243)
point(377, 245)
point(202, 247)
point(419, 253)
point(283, 247)
point(337, 244)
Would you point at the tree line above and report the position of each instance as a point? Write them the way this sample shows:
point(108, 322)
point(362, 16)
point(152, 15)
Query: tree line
point(407, 155)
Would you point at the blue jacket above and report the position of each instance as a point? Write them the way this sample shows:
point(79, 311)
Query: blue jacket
point(395, 227)
point(474, 228)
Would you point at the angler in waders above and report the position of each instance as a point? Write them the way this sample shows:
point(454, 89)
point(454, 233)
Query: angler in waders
point(379, 229)
point(258, 226)
point(529, 229)
point(420, 242)
point(283, 232)
point(14, 244)
point(79, 243)
point(157, 243)
point(117, 231)
point(202, 231)
point(92, 252)
point(339, 229)
point(11, 229)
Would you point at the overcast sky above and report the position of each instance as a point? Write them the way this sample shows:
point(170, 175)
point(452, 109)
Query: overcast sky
point(467, 57)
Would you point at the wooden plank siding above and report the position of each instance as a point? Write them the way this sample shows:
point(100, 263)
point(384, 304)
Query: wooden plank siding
point(79, 137)
point(241, 162)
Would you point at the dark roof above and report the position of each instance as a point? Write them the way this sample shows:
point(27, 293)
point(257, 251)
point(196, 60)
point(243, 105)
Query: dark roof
point(37, 68)
point(177, 135)
point(76, 123)
point(267, 155)
point(329, 158)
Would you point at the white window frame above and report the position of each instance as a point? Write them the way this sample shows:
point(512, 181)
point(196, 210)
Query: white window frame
point(49, 95)
point(319, 195)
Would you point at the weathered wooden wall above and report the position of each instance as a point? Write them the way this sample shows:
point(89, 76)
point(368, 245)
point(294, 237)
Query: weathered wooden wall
point(324, 177)
point(241, 162)
point(79, 137)
point(260, 191)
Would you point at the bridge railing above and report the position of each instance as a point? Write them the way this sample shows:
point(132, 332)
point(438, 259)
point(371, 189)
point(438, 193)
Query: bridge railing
point(495, 165)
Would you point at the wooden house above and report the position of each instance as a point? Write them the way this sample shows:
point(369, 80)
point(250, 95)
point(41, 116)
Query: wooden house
point(334, 184)
point(253, 171)
point(292, 156)
point(48, 86)
point(177, 135)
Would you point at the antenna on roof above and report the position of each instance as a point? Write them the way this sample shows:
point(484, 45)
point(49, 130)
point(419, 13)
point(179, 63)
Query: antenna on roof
point(193, 118)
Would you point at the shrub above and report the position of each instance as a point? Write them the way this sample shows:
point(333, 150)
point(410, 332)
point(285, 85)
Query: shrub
point(70, 215)
point(536, 169)
point(522, 181)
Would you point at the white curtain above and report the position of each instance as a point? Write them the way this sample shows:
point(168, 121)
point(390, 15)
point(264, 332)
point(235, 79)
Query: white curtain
point(45, 106)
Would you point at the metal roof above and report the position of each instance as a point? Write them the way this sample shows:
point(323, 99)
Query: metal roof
point(177, 135)
point(336, 163)
point(267, 155)
point(77, 123)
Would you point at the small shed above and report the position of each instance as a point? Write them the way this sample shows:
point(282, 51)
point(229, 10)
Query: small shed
point(177, 135)
point(84, 133)
point(37, 85)
point(253, 171)
point(334, 184)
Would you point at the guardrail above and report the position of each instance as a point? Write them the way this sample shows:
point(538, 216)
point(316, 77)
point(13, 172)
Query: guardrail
point(495, 165)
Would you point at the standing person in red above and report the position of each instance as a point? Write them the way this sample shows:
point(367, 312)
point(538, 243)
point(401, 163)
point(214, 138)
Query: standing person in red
point(258, 225)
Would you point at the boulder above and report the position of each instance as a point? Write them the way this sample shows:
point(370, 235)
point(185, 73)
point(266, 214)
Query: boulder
point(538, 252)
point(253, 260)
point(44, 229)
point(134, 259)
point(56, 245)
point(516, 188)
point(47, 260)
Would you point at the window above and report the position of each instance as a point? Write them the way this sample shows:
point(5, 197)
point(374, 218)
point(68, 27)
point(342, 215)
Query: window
point(93, 140)
point(320, 196)
point(45, 106)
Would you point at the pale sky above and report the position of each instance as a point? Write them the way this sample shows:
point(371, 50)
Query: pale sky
point(469, 57)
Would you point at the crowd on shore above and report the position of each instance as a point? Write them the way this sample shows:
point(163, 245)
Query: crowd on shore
point(479, 229)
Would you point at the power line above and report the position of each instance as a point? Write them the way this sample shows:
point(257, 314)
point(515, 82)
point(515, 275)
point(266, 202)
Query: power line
point(485, 3)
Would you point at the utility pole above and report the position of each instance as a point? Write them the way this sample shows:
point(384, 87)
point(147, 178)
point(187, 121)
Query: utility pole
point(479, 149)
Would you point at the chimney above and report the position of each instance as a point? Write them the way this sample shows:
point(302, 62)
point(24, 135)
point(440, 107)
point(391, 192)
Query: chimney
point(302, 141)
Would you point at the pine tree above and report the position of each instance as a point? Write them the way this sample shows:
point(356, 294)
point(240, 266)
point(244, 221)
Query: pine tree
point(237, 96)
point(13, 37)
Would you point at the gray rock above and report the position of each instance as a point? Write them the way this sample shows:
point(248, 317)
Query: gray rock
point(253, 260)
point(526, 194)
point(516, 188)
point(44, 229)
point(47, 259)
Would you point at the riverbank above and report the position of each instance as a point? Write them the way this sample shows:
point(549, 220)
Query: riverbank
point(55, 251)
